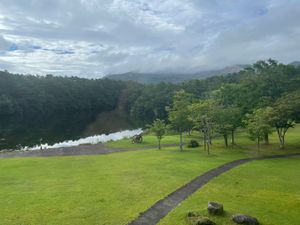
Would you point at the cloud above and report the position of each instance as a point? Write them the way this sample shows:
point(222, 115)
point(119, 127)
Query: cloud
point(91, 38)
point(4, 44)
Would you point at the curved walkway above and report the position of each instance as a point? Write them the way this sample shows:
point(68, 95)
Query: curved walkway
point(161, 208)
point(71, 151)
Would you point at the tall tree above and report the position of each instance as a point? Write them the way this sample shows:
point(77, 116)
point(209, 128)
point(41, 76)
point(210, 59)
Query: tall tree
point(227, 120)
point(286, 113)
point(259, 123)
point(178, 113)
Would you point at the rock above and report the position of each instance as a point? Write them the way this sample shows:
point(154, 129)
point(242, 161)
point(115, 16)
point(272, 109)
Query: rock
point(195, 218)
point(215, 208)
point(204, 221)
point(244, 219)
point(193, 214)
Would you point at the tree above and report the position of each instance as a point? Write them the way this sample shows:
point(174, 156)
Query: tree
point(286, 113)
point(158, 127)
point(227, 120)
point(259, 123)
point(178, 113)
point(201, 115)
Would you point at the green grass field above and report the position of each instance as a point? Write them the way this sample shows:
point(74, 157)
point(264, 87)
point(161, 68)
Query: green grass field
point(268, 190)
point(112, 189)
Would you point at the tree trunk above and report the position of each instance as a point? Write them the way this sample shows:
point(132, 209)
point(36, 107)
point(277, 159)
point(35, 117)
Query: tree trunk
point(210, 140)
point(225, 140)
point(258, 145)
point(159, 144)
point(232, 137)
point(208, 152)
point(281, 137)
point(204, 141)
point(282, 141)
point(181, 141)
point(266, 139)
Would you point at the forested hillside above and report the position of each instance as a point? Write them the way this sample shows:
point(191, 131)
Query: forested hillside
point(256, 86)
point(38, 95)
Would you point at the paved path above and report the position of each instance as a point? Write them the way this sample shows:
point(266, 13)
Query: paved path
point(69, 151)
point(161, 208)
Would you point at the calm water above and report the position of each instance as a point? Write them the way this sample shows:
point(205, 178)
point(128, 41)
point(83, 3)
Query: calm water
point(29, 131)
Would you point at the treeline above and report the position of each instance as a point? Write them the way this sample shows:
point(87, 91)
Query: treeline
point(28, 95)
point(264, 98)
point(258, 85)
point(265, 90)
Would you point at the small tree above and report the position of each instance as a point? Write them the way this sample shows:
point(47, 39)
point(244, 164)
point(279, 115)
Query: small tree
point(200, 114)
point(178, 113)
point(259, 123)
point(158, 127)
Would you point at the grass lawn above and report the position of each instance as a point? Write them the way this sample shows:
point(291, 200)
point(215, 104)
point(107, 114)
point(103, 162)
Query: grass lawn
point(149, 141)
point(107, 189)
point(268, 190)
point(103, 189)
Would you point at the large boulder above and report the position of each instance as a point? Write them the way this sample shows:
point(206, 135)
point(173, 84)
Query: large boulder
point(244, 219)
point(215, 208)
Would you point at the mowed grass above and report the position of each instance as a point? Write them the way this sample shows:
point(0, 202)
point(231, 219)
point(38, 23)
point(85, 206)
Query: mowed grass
point(110, 189)
point(268, 190)
point(101, 189)
point(150, 141)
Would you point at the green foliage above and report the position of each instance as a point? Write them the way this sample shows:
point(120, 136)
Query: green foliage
point(259, 123)
point(286, 113)
point(151, 103)
point(158, 127)
point(178, 113)
point(226, 120)
point(37, 95)
point(201, 114)
point(193, 144)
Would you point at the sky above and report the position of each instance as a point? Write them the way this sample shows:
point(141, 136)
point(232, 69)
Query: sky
point(92, 38)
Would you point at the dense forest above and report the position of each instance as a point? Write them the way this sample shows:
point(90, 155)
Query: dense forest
point(29, 95)
point(263, 84)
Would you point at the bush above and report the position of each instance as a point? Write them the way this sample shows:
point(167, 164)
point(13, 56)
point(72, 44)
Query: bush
point(193, 144)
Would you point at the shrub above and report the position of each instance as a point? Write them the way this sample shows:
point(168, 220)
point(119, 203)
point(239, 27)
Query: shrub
point(193, 144)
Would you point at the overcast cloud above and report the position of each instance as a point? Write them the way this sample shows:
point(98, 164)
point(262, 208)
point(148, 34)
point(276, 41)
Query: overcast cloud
point(91, 38)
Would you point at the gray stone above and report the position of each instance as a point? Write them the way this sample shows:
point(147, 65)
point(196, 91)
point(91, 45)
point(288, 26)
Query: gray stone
point(244, 219)
point(215, 208)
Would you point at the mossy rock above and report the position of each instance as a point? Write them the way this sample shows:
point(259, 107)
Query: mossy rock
point(194, 218)
point(215, 208)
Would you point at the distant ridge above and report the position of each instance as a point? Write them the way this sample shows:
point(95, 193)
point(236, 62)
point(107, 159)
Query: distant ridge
point(153, 78)
point(295, 63)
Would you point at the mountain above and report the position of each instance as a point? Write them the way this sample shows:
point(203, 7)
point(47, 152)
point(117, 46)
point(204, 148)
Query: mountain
point(295, 63)
point(153, 78)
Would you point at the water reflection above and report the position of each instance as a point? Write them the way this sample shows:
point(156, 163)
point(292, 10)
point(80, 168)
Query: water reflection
point(30, 131)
